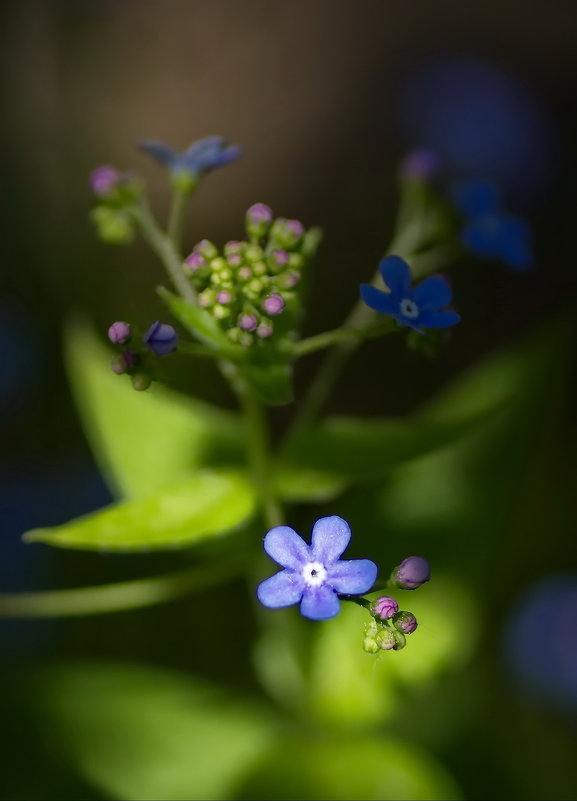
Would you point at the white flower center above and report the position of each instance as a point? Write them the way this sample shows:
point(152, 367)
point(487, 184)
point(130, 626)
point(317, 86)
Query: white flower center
point(314, 573)
point(409, 308)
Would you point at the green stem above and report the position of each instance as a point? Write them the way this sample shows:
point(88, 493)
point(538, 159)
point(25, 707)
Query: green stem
point(166, 251)
point(176, 216)
point(118, 597)
point(324, 340)
point(258, 450)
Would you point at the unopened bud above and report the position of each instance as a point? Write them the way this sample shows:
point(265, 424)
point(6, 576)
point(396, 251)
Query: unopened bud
point(123, 362)
point(274, 305)
point(161, 338)
point(405, 622)
point(385, 607)
point(104, 180)
point(206, 249)
point(264, 331)
point(141, 381)
point(119, 333)
point(385, 639)
point(247, 322)
point(194, 262)
point(286, 233)
point(411, 573)
point(258, 220)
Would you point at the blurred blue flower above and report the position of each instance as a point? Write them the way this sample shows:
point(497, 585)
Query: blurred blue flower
point(541, 640)
point(417, 308)
point(161, 338)
point(314, 575)
point(488, 231)
point(204, 155)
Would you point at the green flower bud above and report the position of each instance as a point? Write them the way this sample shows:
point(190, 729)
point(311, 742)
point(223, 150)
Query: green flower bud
point(218, 264)
point(400, 640)
point(255, 287)
point(259, 268)
point(385, 639)
point(207, 298)
point(141, 381)
point(253, 253)
point(114, 226)
point(220, 311)
point(296, 261)
point(370, 645)
point(184, 180)
point(206, 249)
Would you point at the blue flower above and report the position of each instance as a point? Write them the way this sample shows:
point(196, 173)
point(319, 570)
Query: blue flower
point(161, 338)
point(417, 308)
point(204, 155)
point(488, 231)
point(314, 575)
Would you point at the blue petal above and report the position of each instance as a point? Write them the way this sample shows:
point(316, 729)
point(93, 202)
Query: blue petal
point(483, 235)
point(477, 197)
point(331, 535)
point(159, 151)
point(396, 275)
point(352, 576)
point(433, 294)
point(282, 589)
point(442, 319)
point(378, 300)
point(320, 603)
point(285, 546)
point(515, 243)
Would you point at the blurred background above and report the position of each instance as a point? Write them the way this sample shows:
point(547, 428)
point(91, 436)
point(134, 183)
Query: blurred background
point(325, 98)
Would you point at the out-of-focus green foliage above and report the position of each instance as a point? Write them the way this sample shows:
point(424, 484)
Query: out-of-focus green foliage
point(205, 505)
point(143, 733)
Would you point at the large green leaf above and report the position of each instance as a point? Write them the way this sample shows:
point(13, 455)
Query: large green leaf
point(142, 440)
point(205, 505)
point(141, 733)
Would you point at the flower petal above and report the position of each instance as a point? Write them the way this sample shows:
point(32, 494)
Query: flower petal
point(352, 576)
point(396, 275)
point(378, 300)
point(282, 589)
point(284, 545)
point(331, 535)
point(159, 151)
point(320, 603)
point(442, 319)
point(433, 294)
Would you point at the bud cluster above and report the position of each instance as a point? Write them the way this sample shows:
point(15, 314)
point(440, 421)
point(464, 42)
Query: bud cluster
point(116, 192)
point(251, 286)
point(160, 340)
point(389, 626)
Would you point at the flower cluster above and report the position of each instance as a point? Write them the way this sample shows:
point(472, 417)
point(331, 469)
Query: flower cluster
point(251, 286)
point(159, 340)
point(389, 626)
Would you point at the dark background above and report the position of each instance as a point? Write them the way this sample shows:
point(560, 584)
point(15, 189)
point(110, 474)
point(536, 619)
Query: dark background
point(325, 98)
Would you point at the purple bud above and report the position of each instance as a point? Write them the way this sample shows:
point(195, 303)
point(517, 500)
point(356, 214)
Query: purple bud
point(247, 322)
point(411, 573)
point(259, 214)
point(385, 607)
point(264, 331)
point(224, 296)
point(127, 360)
point(233, 247)
point(194, 261)
point(206, 249)
point(421, 165)
point(274, 304)
point(405, 622)
point(280, 257)
point(161, 338)
point(234, 259)
point(119, 333)
point(287, 233)
point(245, 273)
point(104, 179)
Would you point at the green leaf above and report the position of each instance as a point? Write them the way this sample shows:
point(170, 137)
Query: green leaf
point(205, 505)
point(142, 440)
point(359, 450)
point(143, 733)
point(201, 323)
point(371, 767)
point(272, 382)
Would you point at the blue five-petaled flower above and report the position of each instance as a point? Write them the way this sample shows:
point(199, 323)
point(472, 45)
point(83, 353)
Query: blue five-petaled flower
point(314, 574)
point(417, 308)
point(204, 155)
